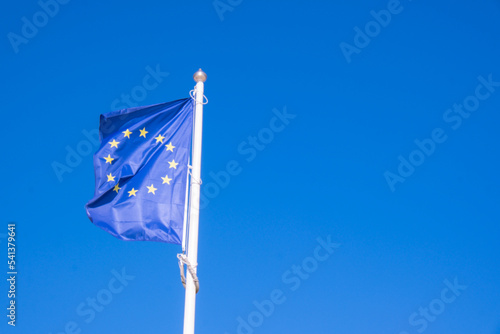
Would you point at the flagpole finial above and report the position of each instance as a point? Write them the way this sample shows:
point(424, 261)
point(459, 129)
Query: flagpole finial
point(200, 76)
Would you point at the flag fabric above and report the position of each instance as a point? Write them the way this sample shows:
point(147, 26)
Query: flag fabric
point(141, 172)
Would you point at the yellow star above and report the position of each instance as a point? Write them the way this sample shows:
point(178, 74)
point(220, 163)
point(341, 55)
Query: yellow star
point(132, 192)
point(159, 139)
point(173, 164)
point(108, 159)
point(110, 177)
point(143, 132)
point(116, 188)
point(127, 133)
point(170, 147)
point(166, 179)
point(114, 143)
point(152, 189)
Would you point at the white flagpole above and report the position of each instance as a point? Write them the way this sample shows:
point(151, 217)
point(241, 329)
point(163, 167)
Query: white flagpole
point(192, 247)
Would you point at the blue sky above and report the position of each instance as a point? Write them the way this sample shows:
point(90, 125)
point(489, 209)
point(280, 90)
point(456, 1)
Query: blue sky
point(368, 202)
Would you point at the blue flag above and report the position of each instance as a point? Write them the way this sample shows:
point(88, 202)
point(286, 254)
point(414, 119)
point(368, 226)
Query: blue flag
point(141, 170)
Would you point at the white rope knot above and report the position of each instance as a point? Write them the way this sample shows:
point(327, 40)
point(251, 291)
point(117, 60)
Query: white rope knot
point(193, 179)
point(183, 260)
point(192, 93)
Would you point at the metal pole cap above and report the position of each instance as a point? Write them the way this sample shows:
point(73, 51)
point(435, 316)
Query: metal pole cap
point(200, 76)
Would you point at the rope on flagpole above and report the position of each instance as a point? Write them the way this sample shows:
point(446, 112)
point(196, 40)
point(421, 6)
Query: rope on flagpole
point(184, 260)
point(192, 93)
point(193, 179)
point(186, 205)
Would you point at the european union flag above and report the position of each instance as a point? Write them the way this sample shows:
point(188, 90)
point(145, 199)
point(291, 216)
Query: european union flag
point(141, 170)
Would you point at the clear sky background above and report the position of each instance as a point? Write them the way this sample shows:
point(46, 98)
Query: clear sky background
point(414, 250)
